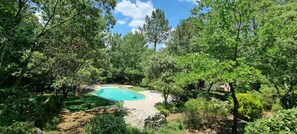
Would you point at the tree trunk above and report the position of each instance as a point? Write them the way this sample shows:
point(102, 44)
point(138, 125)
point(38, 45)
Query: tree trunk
point(235, 110)
point(155, 46)
point(165, 94)
point(64, 93)
point(293, 97)
point(78, 91)
point(210, 85)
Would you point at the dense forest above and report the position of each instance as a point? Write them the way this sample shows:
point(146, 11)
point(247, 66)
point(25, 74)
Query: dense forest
point(231, 66)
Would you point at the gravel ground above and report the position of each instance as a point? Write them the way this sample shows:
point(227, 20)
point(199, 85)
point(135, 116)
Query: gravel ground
point(141, 109)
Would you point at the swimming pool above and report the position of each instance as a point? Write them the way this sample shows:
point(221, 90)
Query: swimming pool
point(118, 94)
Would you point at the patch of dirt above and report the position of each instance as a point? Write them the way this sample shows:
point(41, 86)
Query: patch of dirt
point(74, 123)
point(206, 131)
point(177, 117)
point(268, 113)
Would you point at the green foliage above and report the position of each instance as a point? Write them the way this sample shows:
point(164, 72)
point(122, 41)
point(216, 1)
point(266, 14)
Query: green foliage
point(267, 95)
point(199, 67)
point(85, 102)
point(250, 108)
point(103, 124)
point(163, 109)
point(21, 106)
point(126, 56)
point(283, 122)
point(166, 109)
point(133, 130)
point(52, 125)
point(159, 73)
point(156, 28)
point(171, 128)
point(276, 107)
point(60, 42)
point(18, 128)
point(277, 47)
point(180, 41)
point(201, 112)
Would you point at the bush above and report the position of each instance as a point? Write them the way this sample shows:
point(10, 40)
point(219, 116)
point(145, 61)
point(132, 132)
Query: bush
point(133, 130)
point(171, 128)
point(162, 109)
point(106, 124)
point(283, 122)
point(250, 108)
point(200, 112)
point(277, 106)
point(23, 107)
point(18, 128)
point(267, 96)
point(51, 125)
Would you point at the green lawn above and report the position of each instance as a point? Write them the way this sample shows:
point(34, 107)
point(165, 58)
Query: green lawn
point(138, 89)
point(87, 101)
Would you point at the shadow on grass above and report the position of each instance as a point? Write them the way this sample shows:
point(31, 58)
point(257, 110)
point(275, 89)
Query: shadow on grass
point(85, 102)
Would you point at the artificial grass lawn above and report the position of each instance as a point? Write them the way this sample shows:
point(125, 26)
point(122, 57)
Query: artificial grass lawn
point(87, 101)
point(138, 89)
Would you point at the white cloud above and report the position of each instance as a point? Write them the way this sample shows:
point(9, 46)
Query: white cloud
point(135, 11)
point(193, 1)
point(121, 22)
point(136, 23)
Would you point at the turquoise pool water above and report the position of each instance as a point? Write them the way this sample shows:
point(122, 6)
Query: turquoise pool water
point(118, 94)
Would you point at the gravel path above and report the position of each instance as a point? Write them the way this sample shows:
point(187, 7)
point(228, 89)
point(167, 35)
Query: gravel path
point(141, 109)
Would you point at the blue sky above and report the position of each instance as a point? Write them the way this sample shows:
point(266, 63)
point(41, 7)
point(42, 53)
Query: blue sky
point(130, 14)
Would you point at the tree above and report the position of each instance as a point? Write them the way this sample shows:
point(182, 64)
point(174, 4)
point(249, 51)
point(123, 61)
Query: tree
point(126, 56)
point(159, 74)
point(69, 30)
point(17, 29)
point(277, 49)
point(197, 67)
point(180, 41)
point(156, 28)
point(226, 30)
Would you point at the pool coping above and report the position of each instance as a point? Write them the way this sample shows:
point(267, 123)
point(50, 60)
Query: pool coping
point(100, 88)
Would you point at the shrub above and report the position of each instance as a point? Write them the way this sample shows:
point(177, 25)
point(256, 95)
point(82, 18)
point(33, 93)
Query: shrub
point(267, 96)
point(51, 125)
point(199, 112)
point(18, 128)
point(171, 128)
point(283, 122)
point(277, 106)
point(133, 130)
point(250, 108)
point(162, 109)
point(106, 124)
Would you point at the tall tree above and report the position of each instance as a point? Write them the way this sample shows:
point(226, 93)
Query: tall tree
point(159, 73)
point(226, 32)
point(156, 28)
point(126, 56)
point(180, 41)
point(277, 49)
point(70, 30)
